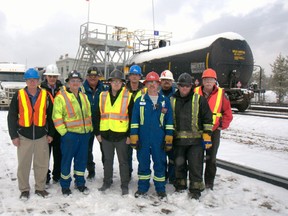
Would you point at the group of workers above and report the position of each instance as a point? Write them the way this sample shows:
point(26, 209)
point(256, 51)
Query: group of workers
point(157, 119)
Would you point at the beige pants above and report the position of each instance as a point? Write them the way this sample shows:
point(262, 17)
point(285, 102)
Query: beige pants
point(38, 151)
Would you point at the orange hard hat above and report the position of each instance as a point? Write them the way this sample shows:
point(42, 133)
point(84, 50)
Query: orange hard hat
point(152, 76)
point(209, 73)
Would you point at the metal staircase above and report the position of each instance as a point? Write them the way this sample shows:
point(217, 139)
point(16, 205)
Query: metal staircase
point(109, 47)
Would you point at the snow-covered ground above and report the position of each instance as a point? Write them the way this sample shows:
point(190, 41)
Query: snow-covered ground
point(258, 142)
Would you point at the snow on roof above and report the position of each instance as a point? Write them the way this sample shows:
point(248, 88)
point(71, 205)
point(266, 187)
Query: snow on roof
point(182, 47)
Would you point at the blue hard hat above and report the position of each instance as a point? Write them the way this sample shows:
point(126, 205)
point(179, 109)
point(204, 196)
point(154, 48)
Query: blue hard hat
point(31, 73)
point(135, 69)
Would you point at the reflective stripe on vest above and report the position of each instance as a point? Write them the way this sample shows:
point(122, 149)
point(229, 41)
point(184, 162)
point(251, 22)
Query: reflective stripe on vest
point(161, 118)
point(27, 113)
point(195, 132)
point(71, 113)
point(215, 103)
point(114, 117)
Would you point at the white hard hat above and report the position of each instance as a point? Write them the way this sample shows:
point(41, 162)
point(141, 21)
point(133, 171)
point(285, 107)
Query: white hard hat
point(167, 74)
point(52, 70)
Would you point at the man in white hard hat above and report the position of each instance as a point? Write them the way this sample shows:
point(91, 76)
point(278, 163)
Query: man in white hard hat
point(168, 90)
point(52, 84)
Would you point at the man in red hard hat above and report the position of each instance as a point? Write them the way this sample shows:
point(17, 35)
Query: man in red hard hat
point(151, 134)
point(222, 117)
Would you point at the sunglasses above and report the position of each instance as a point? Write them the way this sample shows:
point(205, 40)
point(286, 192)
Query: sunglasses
point(50, 76)
point(116, 82)
point(184, 85)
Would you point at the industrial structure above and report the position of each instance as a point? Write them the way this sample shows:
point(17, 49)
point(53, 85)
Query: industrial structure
point(109, 47)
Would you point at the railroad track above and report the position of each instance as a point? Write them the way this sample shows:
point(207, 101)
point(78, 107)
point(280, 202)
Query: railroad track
point(263, 113)
point(253, 173)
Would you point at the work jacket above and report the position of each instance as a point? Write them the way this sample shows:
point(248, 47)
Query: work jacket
point(71, 114)
point(192, 117)
point(31, 121)
point(219, 105)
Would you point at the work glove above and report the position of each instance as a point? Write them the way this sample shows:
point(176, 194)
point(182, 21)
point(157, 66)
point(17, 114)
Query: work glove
point(207, 143)
point(134, 141)
point(168, 143)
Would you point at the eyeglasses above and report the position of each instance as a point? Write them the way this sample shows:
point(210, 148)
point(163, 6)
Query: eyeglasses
point(50, 76)
point(32, 80)
point(166, 80)
point(116, 81)
point(209, 80)
point(151, 82)
point(74, 80)
point(184, 85)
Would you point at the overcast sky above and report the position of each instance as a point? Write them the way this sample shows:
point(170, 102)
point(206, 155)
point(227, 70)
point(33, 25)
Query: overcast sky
point(37, 33)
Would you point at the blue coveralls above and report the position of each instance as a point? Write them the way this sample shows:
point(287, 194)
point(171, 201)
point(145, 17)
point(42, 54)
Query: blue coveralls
point(75, 146)
point(151, 131)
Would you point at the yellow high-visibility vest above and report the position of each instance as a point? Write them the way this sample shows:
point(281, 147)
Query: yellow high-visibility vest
point(69, 116)
point(114, 117)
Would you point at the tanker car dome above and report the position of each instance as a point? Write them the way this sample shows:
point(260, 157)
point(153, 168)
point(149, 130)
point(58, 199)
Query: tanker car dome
point(52, 70)
point(167, 74)
point(209, 73)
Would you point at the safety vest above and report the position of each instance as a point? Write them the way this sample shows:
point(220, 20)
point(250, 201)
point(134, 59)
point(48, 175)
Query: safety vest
point(215, 103)
point(114, 117)
point(75, 118)
point(195, 132)
point(29, 115)
point(140, 93)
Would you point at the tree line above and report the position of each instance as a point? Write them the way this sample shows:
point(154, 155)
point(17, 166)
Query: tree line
point(277, 81)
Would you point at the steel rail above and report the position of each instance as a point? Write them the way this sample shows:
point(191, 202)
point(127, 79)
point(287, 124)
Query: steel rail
point(253, 173)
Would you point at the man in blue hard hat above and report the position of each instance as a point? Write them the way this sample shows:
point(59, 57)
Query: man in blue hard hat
point(137, 89)
point(29, 117)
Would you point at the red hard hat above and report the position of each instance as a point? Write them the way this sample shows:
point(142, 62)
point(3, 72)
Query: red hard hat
point(209, 73)
point(152, 76)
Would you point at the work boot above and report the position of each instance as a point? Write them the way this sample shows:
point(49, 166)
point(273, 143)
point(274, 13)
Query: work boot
point(91, 176)
point(161, 195)
point(24, 196)
point(125, 191)
point(209, 186)
point(140, 194)
point(194, 195)
point(66, 192)
point(104, 187)
point(42, 193)
point(83, 189)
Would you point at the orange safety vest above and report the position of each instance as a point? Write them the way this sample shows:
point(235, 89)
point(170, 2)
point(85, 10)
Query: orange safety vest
point(28, 114)
point(215, 104)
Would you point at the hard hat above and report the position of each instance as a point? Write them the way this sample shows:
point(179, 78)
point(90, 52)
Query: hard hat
point(185, 79)
point(151, 76)
point(116, 74)
point(31, 73)
point(93, 70)
point(167, 74)
point(209, 73)
point(135, 69)
point(73, 74)
point(51, 70)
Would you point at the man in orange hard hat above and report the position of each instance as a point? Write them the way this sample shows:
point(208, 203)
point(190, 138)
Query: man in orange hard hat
point(222, 117)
